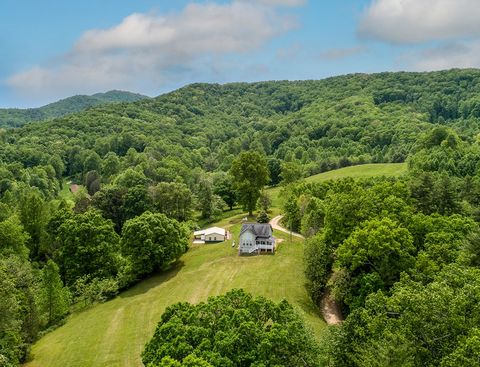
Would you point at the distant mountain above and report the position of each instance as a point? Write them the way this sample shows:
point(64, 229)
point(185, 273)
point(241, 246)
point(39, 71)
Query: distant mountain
point(16, 117)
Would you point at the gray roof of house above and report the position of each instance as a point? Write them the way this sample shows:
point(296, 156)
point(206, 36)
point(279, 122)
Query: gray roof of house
point(259, 229)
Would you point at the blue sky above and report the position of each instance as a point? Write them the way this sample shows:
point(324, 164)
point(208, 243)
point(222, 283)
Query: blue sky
point(54, 49)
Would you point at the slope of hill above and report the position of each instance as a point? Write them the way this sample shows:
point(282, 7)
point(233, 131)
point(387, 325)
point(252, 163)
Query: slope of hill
point(318, 125)
point(13, 117)
point(185, 141)
point(114, 333)
point(360, 171)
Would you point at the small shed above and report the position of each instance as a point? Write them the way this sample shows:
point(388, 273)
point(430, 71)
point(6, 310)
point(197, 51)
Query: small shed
point(210, 235)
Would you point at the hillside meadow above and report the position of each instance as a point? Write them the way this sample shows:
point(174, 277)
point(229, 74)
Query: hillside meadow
point(360, 171)
point(114, 333)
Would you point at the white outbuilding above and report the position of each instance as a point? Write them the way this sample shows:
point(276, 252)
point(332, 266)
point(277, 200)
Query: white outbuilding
point(210, 235)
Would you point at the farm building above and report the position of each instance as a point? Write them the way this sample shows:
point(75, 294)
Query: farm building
point(255, 238)
point(210, 235)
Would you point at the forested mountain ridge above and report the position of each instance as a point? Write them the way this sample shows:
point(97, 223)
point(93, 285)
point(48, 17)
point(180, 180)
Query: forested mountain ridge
point(16, 117)
point(319, 125)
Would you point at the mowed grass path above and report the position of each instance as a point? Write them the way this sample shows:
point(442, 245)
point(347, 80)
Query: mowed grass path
point(361, 171)
point(114, 333)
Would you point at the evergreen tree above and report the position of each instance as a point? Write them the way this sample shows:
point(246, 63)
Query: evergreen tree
point(34, 218)
point(54, 297)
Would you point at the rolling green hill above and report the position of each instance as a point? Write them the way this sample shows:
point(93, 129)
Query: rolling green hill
point(318, 125)
point(13, 117)
point(183, 143)
point(361, 171)
point(364, 170)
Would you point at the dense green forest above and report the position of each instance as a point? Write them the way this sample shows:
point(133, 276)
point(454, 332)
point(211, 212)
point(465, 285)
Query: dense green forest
point(16, 117)
point(399, 255)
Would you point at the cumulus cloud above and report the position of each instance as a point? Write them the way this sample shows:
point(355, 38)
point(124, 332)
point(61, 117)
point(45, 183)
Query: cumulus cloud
point(414, 21)
point(153, 49)
point(446, 56)
point(342, 53)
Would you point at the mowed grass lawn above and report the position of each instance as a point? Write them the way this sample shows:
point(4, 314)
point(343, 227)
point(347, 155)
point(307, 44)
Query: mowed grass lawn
point(361, 171)
point(114, 333)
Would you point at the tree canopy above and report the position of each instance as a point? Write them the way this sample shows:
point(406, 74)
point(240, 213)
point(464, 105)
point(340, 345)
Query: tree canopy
point(250, 174)
point(152, 241)
point(235, 329)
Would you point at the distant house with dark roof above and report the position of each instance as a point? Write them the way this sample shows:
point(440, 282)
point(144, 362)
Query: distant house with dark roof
point(255, 238)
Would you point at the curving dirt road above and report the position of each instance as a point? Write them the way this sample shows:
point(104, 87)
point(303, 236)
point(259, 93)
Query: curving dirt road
point(274, 223)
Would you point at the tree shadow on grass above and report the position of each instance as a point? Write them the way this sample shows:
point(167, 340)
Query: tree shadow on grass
point(143, 286)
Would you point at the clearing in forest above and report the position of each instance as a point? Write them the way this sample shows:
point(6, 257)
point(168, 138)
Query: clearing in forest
point(114, 333)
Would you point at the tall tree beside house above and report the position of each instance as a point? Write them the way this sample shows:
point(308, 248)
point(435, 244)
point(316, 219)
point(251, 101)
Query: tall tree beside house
point(264, 202)
point(223, 187)
point(205, 197)
point(173, 199)
point(250, 174)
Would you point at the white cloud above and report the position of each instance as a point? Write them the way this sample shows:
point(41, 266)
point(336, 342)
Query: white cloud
point(152, 49)
point(413, 21)
point(447, 56)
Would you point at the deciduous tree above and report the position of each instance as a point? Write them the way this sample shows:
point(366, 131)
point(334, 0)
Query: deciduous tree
point(236, 329)
point(152, 241)
point(250, 174)
point(88, 246)
point(54, 297)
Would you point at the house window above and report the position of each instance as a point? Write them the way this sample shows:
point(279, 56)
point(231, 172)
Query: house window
point(214, 238)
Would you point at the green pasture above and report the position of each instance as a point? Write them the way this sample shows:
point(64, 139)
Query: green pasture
point(114, 333)
point(361, 171)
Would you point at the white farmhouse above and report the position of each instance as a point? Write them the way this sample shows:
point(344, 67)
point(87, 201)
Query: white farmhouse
point(213, 234)
point(255, 238)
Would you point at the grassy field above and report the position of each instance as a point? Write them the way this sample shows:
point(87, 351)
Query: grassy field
point(364, 170)
point(361, 171)
point(114, 333)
